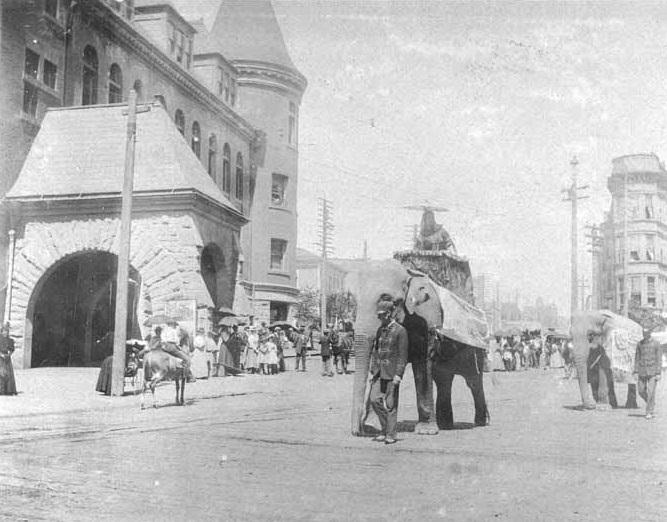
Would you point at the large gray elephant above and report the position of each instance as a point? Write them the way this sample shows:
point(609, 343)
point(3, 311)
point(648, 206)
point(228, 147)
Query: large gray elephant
point(619, 336)
point(418, 310)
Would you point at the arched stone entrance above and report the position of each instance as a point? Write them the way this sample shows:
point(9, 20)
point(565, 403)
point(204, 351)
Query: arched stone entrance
point(70, 315)
point(212, 266)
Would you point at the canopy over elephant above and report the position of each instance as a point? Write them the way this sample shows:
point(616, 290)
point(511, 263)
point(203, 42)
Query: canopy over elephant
point(618, 336)
point(441, 344)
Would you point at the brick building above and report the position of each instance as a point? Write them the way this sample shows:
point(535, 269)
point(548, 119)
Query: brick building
point(642, 216)
point(218, 75)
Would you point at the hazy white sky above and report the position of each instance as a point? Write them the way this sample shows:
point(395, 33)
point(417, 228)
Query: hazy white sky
point(478, 107)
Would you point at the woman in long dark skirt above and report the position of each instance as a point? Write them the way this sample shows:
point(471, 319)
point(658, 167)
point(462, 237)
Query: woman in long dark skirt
point(7, 382)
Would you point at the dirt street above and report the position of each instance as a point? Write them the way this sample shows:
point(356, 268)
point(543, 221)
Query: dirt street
point(279, 448)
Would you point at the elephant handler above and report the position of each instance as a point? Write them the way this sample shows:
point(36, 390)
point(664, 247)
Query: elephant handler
point(648, 367)
point(388, 360)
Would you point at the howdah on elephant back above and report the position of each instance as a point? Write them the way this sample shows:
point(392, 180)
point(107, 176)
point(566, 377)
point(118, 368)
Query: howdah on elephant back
point(445, 336)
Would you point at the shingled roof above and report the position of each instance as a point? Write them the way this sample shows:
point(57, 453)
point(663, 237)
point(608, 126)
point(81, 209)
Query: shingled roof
point(81, 151)
point(241, 30)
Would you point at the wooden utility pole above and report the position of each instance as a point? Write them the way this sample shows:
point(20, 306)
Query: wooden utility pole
point(326, 235)
point(120, 325)
point(572, 196)
point(596, 239)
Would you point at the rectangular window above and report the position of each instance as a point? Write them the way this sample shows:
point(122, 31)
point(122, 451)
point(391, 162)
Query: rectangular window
point(292, 122)
point(226, 87)
point(278, 189)
point(181, 47)
point(232, 94)
point(650, 247)
point(221, 79)
point(648, 206)
point(171, 30)
point(49, 74)
point(278, 248)
point(188, 54)
point(51, 8)
point(30, 97)
point(31, 64)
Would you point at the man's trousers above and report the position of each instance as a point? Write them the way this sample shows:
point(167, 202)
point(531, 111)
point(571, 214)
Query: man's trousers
point(388, 417)
point(646, 387)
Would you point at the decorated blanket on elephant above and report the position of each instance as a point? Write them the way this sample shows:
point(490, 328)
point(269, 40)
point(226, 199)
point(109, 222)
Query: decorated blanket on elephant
point(461, 321)
point(620, 345)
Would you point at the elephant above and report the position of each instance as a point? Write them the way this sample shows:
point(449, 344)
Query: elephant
point(434, 357)
point(616, 332)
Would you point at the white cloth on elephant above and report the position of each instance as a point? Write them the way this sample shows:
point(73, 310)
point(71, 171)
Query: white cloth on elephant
point(462, 321)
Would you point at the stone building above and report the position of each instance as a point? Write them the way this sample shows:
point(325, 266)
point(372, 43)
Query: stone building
point(644, 214)
point(218, 75)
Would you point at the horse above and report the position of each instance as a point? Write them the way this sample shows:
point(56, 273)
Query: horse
point(160, 366)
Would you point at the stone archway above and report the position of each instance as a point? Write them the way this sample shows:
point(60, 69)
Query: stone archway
point(212, 266)
point(70, 315)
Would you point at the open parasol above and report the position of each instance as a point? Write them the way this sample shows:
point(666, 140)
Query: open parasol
point(229, 320)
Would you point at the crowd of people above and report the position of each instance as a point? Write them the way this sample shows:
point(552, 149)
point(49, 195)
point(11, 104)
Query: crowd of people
point(530, 350)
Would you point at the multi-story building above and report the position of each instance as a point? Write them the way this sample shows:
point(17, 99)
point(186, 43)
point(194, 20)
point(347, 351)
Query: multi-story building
point(221, 74)
point(309, 273)
point(638, 186)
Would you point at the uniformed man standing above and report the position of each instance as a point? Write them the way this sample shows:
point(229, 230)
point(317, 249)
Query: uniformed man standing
point(388, 360)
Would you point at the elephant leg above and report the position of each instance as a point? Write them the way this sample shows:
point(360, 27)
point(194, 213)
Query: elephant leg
point(612, 390)
point(443, 406)
point(603, 389)
point(423, 375)
point(581, 364)
point(631, 400)
point(476, 385)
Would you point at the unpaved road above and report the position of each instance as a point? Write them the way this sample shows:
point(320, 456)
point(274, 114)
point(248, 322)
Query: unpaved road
point(281, 450)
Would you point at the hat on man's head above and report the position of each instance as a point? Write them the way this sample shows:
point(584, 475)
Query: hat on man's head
point(384, 307)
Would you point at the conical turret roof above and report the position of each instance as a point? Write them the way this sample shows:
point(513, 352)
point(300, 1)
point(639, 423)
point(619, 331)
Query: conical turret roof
point(243, 30)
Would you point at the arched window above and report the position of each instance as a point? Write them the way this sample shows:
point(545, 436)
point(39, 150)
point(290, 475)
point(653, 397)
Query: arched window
point(239, 176)
point(179, 119)
point(212, 155)
point(138, 88)
point(196, 139)
point(90, 66)
point(226, 169)
point(115, 84)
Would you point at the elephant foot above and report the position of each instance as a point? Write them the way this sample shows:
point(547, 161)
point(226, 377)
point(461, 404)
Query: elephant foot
point(603, 407)
point(482, 422)
point(426, 428)
point(631, 405)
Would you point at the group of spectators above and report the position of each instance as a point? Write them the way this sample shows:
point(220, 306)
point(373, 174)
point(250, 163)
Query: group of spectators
point(530, 350)
point(335, 347)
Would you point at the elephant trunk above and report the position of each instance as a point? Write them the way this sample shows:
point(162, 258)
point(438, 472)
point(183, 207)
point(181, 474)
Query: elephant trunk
point(361, 365)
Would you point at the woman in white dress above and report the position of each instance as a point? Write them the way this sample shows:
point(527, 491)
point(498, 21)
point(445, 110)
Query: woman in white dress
point(198, 358)
point(252, 352)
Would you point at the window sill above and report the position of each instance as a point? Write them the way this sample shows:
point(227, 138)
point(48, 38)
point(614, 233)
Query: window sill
point(279, 273)
point(280, 208)
point(38, 84)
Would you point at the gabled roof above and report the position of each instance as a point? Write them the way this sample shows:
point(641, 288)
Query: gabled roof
point(81, 151)
point(241, 30)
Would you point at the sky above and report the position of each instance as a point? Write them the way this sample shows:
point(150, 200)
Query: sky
point(479, 107)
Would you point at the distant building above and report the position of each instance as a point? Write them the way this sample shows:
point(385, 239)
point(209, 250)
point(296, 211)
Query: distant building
point(644, 215)
point(309, 273)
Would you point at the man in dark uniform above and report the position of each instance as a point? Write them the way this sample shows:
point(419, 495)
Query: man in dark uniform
point(388, 360)
point(325, 352)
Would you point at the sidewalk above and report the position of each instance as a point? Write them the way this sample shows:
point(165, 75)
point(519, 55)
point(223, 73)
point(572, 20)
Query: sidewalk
point(59, 390)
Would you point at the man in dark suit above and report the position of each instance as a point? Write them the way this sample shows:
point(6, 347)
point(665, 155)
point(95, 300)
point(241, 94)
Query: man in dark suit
point(388, 361)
